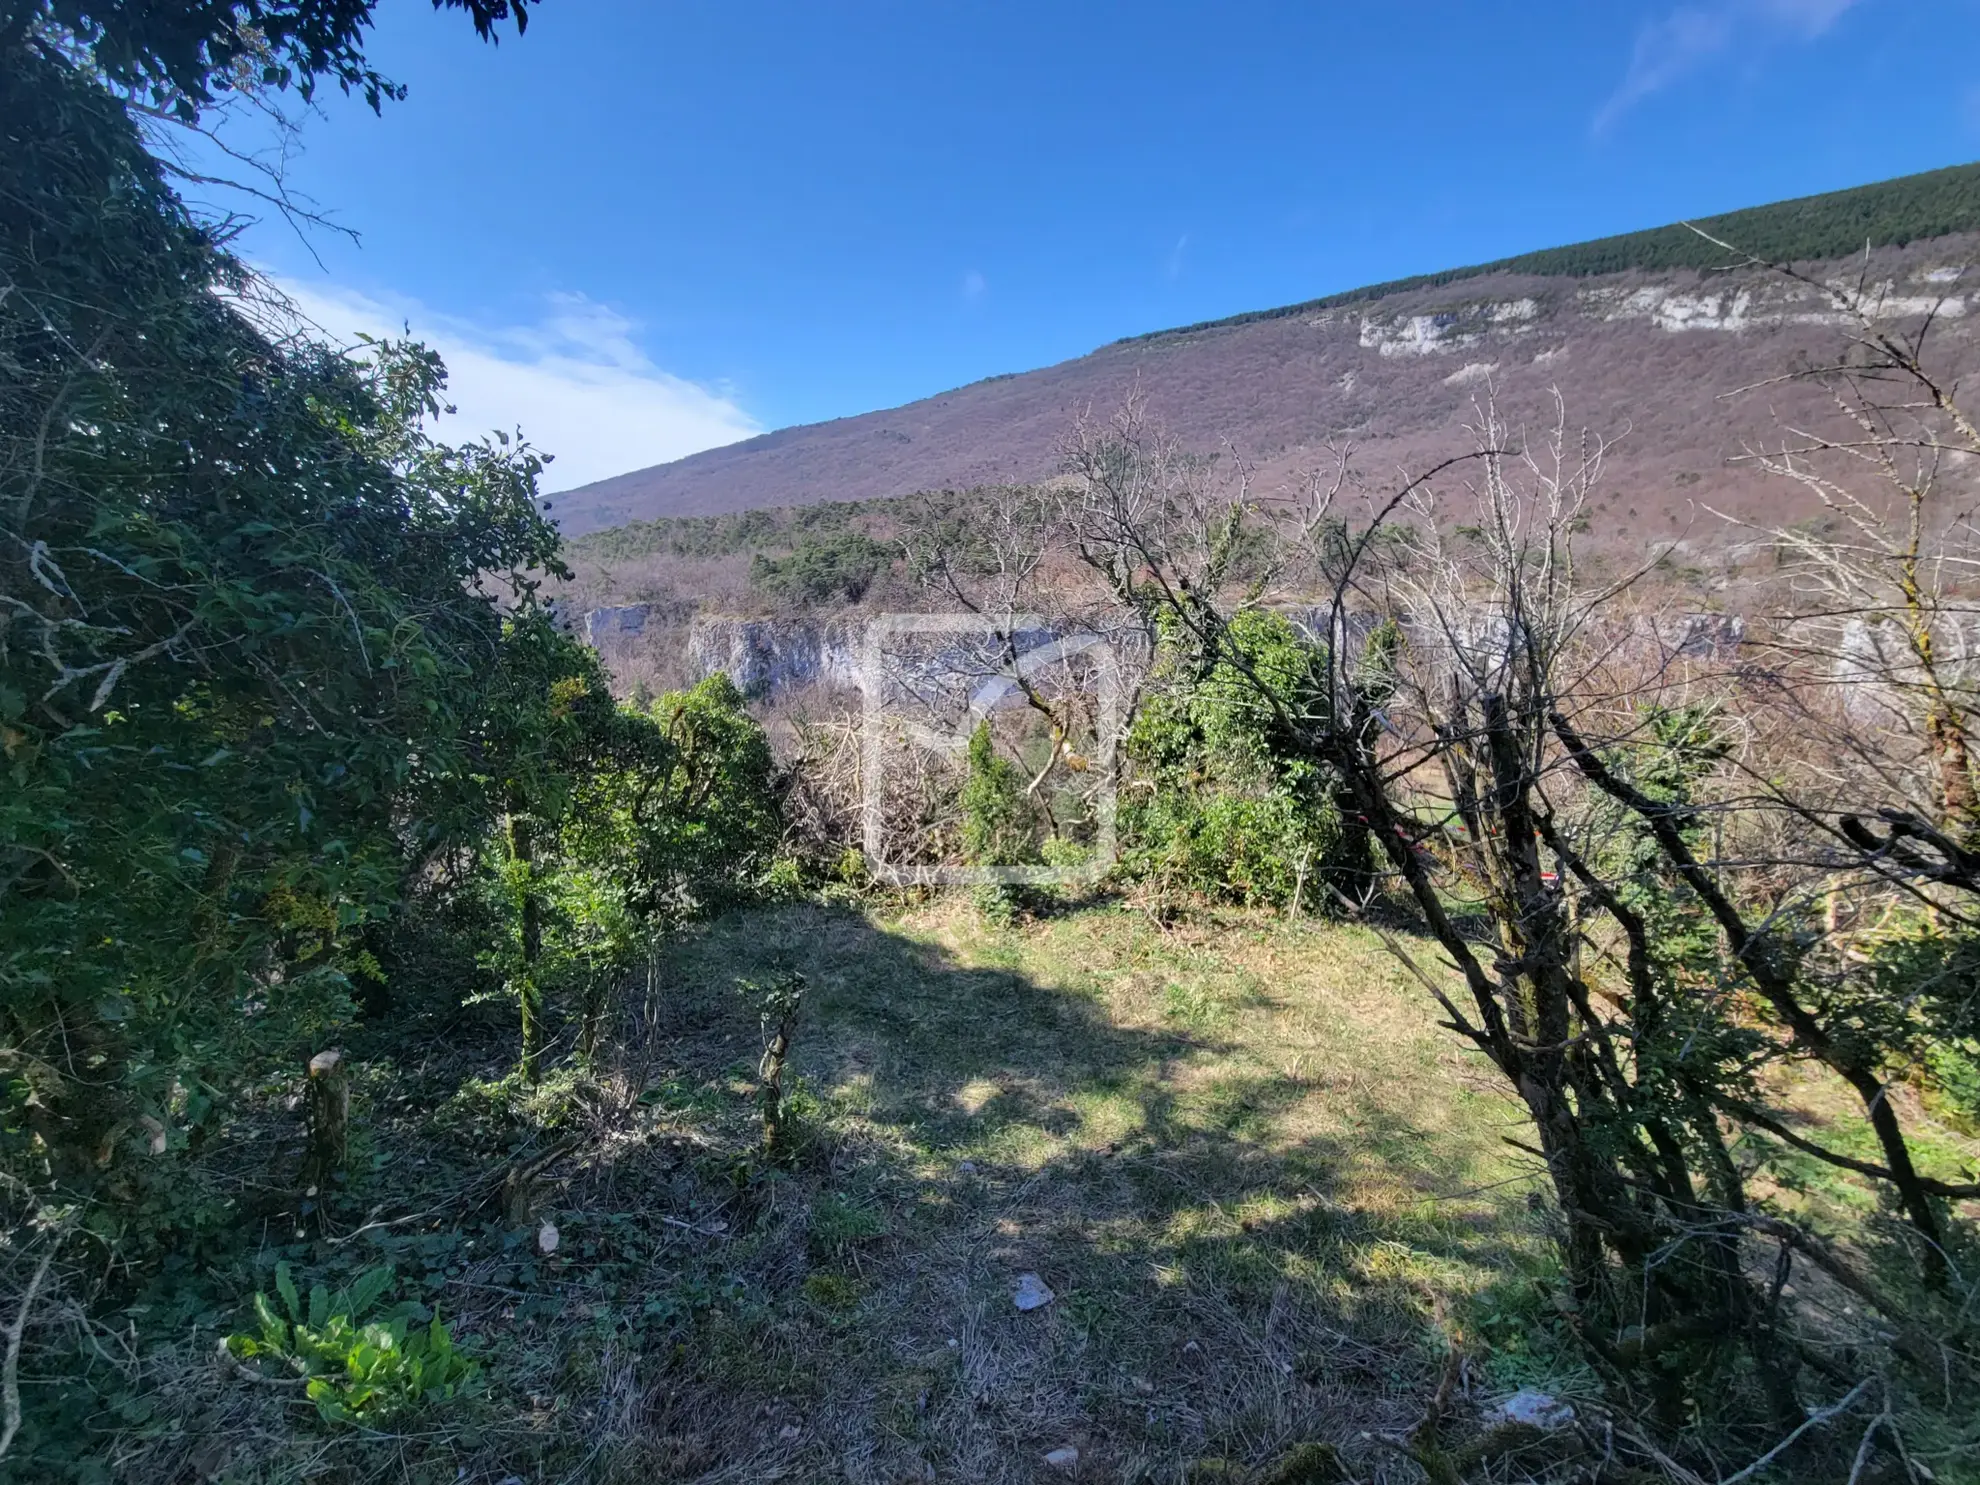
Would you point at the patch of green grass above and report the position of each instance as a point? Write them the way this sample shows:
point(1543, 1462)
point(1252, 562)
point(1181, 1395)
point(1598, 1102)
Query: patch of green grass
point(833, 1292)
point(1264, 1219)
point(1193, 1004)
point(1195, 1134)
point(839, 1225)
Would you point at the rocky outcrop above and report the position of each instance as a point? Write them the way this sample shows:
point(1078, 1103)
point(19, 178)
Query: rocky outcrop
point(769, 657)
point(765, 657)
point(607, 629)
point(773, 657)
point(1704, 636)
point(1444, 330)
point(1768, 302)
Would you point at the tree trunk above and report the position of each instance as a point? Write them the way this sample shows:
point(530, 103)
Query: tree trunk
point(771, 1094)
point(1946, 730)
point(597, 1003)
point(529, 991)
point(770, 1090)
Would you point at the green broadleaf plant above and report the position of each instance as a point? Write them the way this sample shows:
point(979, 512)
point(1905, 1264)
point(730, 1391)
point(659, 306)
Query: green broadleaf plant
point(356, 1371)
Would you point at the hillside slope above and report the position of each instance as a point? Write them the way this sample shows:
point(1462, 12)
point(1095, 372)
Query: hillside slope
point(1641, 334)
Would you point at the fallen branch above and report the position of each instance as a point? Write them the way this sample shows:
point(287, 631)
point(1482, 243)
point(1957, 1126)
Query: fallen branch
point(1862, 1459)
point(10, 1369)
point(1814, 1420)
point(715, 1230)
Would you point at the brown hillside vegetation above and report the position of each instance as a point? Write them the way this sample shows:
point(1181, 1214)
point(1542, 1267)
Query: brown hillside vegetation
point(1655, 357)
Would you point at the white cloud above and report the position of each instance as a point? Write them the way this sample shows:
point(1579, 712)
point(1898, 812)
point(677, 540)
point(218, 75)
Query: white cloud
point(1808, 18)
point(574, 381)
point(974, 285)
point(1679, 43)
point(1174, 265)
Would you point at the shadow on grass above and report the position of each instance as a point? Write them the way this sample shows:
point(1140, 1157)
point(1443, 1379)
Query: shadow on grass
point(1232, 1273)
point(1251, 1207)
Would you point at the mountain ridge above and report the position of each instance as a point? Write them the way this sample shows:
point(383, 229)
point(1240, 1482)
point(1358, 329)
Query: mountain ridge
point(1824, 226)
point(1622, 316)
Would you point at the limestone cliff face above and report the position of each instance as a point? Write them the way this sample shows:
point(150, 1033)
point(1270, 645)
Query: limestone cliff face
point(771, 657)
point(1441, 332)
point(610, 629)
point(765, 657)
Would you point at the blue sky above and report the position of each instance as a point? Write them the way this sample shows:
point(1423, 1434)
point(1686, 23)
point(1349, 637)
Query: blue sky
point(649, 226)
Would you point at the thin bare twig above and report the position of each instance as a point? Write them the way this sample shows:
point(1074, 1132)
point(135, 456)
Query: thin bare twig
point(10, 1369)
point(1814, 1420)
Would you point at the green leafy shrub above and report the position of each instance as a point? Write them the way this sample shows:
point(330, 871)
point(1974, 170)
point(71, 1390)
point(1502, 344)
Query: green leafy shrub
point(996, 821)
point(358, 1371)
point(1219, 800)
point(254, 644)
point(1929, 975)
point(625, 822)
point(1062, 854)
point(784, 881)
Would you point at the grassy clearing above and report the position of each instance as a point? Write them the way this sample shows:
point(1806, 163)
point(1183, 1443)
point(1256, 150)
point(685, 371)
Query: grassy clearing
point(1265, 1188)
point(1246, 1162)
point(1259, 1180)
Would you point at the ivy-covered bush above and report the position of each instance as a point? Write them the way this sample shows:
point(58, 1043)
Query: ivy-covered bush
point(250, 645)
point(288, 743)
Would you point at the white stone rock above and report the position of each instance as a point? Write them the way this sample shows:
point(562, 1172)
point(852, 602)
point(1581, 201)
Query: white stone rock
point(1536, 1409)
point(1032, 1293)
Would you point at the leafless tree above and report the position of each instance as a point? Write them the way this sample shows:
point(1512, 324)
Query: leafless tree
point(1874, 637)
point(1505, 757)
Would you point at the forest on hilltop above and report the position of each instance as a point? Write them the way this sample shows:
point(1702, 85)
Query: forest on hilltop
point(1833, 225)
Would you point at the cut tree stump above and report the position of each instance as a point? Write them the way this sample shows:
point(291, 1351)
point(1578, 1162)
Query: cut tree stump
point(329, 1113)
